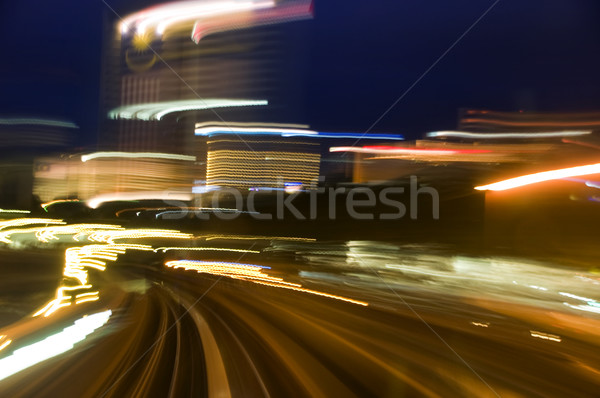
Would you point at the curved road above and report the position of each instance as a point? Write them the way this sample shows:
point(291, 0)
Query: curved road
point(436, 324)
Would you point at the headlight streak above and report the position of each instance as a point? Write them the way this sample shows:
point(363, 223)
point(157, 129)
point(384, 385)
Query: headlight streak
point(587, 308)
point(75, 288)
point(162, 209)
point(156, 111)
point(224, 249)
point(257, 237)
point(53, 345)
point(541, 177)
point(49, 233)
point(96, 201)
point(78, 260)
point(213, 209)
point(545, 336)
point(250, 273)
point(60, 301)
point(15, 211)
point(86, 297)
point(4, 341)
point(19, 222)
point(110, 236)
point(53, 202)
point(175, 209)
point(586, 299)
point(137, 155)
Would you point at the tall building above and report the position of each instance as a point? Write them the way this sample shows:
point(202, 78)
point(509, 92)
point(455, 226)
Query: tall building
point(235, 69)
point(175, 64)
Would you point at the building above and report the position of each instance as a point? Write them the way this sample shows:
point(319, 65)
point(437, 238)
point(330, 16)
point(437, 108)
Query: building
point(113, 176)
point(22, 139)
point(176, 64)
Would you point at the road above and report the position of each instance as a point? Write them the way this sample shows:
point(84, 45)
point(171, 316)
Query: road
point(327, 319)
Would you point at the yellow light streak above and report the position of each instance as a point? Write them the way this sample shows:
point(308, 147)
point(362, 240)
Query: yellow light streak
point(78, 261)
point(110, 236)
point(6, 233)
point(250, 273)
point(223, 249)
point(53, 202)
point(6, 342)
point(19, 222)
point(15, 211)
point(87, 298)
point(257, 237)
point(545, 336)
point(541, 177)
point(47, 234)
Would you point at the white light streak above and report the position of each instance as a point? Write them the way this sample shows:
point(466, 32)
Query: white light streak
point(53, 345)
point(545, 336)
point(157, 110)
point(142, 195)
point(137, 155)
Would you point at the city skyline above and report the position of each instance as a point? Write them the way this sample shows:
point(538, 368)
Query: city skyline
point(359, 57)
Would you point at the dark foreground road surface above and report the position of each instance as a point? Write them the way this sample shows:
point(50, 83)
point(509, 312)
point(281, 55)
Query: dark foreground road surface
point(345, 319)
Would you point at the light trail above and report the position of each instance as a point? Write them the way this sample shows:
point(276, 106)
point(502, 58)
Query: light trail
point(491, 136)
point(53, 345)
point(256, 237)
point(286, 132)
point(110, 236)
point(535, 178)
point(53, 202)
point(78, 260)
point(157, 110)
point(545, 336)
point(405, 151)
point(5, 343)
point(15, 211)
point(163, 16)
point(96, 201)
point(250, 273)
point(137, 155)
point(46, 234)
point(19, 222)
point(166, 249)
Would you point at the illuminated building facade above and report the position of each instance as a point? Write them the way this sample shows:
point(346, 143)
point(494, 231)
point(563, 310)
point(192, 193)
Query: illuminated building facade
point(258, 162)
point(21, 140)
point(177, 64)
point(112, 175)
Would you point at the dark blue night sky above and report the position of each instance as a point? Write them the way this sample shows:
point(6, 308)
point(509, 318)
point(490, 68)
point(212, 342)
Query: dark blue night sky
point(530, 55)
